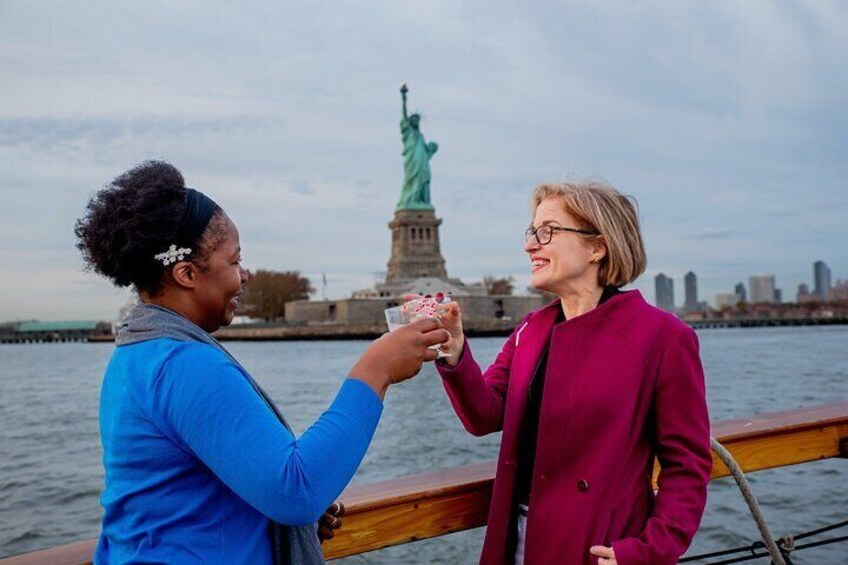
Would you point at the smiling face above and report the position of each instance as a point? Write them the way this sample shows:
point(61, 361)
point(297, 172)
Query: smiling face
point(566, 263)
point(221, 282)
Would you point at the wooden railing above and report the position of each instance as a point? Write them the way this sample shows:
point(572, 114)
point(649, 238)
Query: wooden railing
point(433, 504)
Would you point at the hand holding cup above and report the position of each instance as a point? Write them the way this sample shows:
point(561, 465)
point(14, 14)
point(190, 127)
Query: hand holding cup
point(450, 315)
point(398, 356)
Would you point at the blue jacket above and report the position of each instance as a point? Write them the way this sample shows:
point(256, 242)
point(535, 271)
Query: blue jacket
point(196, 462)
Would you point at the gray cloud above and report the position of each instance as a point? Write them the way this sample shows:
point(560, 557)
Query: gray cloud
point(726, 120)
point(713, 233)
point(44, 133)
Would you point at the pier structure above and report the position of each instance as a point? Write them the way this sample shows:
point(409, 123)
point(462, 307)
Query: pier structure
point(762, 322)
point(54, 332)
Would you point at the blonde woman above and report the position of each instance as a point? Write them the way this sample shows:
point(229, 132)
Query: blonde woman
point(587, 391)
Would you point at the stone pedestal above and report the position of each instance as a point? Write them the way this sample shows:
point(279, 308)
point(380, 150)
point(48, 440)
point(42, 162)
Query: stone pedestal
point(416, 251)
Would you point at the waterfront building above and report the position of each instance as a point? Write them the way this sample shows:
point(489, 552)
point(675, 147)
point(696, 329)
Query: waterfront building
point(727, 300)
point(762, 288)
point(740, 290)
point(821, 280)
point(690, 293)
point(664, 292)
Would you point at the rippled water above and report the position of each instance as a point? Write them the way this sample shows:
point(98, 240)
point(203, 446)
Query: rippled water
point(51, 477)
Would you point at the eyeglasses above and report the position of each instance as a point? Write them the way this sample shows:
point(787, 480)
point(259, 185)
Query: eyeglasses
point(545, 233)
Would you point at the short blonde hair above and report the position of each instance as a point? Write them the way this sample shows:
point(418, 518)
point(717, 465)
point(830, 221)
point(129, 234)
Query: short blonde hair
point(603, 209)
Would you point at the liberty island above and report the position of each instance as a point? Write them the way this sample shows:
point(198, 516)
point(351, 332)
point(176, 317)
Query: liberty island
point(416, 264)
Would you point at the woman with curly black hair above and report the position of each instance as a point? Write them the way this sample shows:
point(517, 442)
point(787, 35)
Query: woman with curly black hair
point(200, 464)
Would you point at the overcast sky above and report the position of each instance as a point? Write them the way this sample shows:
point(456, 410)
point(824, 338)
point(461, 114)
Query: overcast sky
point(726, 120)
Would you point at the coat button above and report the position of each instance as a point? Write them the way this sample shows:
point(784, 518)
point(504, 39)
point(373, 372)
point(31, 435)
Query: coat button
point(583, 485)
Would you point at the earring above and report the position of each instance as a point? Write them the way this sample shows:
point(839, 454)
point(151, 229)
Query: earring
point(596, 259)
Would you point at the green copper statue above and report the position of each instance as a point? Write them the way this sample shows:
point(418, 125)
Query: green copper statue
point(415, 194)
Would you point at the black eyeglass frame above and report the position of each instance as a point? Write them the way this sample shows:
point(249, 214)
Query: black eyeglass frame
point(530, 232)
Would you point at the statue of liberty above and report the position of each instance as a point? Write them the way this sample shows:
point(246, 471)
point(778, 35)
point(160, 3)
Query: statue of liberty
point(415, 194)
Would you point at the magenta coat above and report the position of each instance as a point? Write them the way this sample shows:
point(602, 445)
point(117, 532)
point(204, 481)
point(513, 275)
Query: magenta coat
point(624, 383)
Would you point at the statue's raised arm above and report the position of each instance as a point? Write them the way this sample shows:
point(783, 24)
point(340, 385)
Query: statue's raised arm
point(415, 194)
point(403, 90)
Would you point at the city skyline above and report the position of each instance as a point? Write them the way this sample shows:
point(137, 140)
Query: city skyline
point(664, 294)
point(761, 288)
point(724, 120)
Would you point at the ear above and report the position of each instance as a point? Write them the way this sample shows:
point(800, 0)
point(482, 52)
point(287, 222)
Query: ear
point(184, 274)
point(599, 248)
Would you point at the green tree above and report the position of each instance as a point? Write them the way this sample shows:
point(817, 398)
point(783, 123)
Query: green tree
point(499, 285)
point(267, 292)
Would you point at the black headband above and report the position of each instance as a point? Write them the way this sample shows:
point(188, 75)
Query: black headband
point(199, 209)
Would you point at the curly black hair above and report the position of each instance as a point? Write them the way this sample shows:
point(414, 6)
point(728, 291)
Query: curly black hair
point(133, 219)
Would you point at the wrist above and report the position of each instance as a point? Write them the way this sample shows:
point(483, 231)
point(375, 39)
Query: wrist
point(458, 344)
point(374, 378)
point(455, 351)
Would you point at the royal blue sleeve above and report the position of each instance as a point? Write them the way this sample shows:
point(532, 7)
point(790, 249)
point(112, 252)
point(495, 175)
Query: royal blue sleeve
point(203, 402)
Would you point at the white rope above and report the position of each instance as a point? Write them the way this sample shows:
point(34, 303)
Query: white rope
point(750, 499)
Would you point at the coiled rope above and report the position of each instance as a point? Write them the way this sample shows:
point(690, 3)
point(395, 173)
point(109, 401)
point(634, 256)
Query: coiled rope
point(776, 554)
point(779, 550)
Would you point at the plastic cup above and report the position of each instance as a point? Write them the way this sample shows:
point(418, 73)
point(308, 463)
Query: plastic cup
point(414, 310)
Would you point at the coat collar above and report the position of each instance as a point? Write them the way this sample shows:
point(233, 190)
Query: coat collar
point(615, 314)
point(534, 335)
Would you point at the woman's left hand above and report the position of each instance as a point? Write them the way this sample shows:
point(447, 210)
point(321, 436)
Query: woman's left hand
point(329, 521)
point(606, 556)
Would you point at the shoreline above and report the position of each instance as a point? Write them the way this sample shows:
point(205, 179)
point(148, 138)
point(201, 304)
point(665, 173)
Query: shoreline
point(350, 332)
point(494, 328)
point(716, 323)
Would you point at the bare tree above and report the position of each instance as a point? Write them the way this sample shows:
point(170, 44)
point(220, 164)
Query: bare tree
point(500, 286)
point(267, 292)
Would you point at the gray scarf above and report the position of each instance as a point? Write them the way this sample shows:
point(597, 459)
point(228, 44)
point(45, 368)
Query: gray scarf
point(290, 545)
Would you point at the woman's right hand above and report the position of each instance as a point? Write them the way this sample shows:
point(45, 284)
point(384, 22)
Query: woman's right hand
point(398, 356)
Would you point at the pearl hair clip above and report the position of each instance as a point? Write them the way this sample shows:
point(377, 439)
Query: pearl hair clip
point(172, 255)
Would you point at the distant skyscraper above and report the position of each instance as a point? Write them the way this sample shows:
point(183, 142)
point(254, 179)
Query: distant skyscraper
point(778, 296)
point(690, 284)
point(821, 278)
point(762, 288)
point(664, 292)
point(740, 290)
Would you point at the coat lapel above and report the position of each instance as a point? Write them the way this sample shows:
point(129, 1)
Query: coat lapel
point(530, 342)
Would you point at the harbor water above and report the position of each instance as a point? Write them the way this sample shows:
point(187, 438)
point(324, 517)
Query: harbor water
point(51, 474)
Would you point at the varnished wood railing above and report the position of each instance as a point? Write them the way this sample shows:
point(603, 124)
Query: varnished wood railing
point(423, 506)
